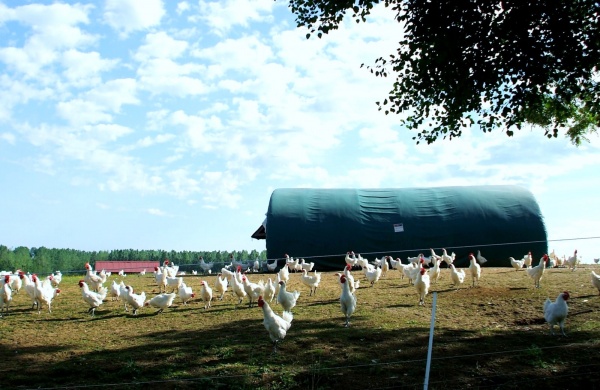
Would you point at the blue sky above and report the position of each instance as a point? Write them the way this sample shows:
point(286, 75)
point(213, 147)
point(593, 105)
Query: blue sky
point(166, 125)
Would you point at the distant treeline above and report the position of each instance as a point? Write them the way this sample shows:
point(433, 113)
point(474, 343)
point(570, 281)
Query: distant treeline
point(44, 260)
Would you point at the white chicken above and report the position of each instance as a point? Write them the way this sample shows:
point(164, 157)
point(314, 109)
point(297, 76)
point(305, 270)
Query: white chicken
point(93, 281)
point(276, 326)
point(15, 282)
point(136, 301)
point(596, 281)
point(537, 272)
point(237, 287)
point(481, 259)
point(286, 298)
point(435, 271)
point(29, 287)
point(115, 291)
point(220, 286)
point(352, 283)
point(409, 270)
point(161, 279)
point(422, 285)
point(385, 266)
point(457, 275)
point(572, 261)
point(396, 264)
point(306, 266)
point(56, 278)
point(555, 313)
point(45, 293)
point(92, 298)
point(253, 290)
point(206, 294)
point(474, 269)
point(174, 283)
point(186, 293)
point(271, 267)
point(284, 273)
point(5, 295)
point(350, 259)
point(311, 281)
point(373, 275)
point(448, 259)
point(347, 300)
point(206, 267)
point(161, 301)
point(516, 264)
point(270, 291)
point(527, 260)
point(363, 263)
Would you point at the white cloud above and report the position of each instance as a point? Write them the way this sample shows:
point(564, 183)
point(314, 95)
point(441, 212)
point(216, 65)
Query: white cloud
point(164, 76)
point(182, 7)
point(84, 69)
point(222, 16)
point(126, 16)
point(157, 212)
point(8, 137)
point(160, 45)
point(54, 28)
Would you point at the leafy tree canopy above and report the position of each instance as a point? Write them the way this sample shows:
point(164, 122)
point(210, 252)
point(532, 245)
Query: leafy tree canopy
point(495, 64)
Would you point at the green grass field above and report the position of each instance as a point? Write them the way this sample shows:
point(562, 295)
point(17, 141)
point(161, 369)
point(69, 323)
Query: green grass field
point(490, 336)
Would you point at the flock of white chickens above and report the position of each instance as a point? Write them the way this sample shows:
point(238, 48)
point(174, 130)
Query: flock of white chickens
point(420, 271)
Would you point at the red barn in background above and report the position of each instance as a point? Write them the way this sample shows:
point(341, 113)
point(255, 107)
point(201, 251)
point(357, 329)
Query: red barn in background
point(126, 266)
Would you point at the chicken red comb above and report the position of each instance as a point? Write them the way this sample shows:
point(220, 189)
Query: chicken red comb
point(566, 295)
point(348, 267)
point(343, 279)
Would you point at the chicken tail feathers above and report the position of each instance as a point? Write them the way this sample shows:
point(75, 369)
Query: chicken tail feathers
point(287, 316)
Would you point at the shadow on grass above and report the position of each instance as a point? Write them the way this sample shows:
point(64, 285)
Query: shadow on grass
point(239, 354)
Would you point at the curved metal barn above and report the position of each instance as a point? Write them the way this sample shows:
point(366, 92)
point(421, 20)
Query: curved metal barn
point(323, 224)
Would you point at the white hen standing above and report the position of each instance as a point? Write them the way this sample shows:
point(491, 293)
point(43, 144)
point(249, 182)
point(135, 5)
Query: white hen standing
point(596, 281)
point(435, 272)
point(92, 298)
point(276, 326)
point(311, 281)
point(474, 269)
point(537, 272)
point(136, 301)
point(253, 290)
point(422, 285)
point(185, 293)
point(555, 313)
point(206, 294)
point(220, 286)
point(516, 264)
point(5, 295)
point(347, 300)
point(373, 275)
point(285, 298)
point(457, 275)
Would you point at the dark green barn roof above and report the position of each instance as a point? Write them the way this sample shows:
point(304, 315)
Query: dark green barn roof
point(323, 224)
